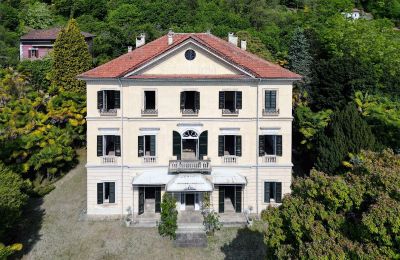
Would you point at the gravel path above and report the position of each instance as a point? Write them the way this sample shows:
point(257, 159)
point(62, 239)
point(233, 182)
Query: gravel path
point(53, 231)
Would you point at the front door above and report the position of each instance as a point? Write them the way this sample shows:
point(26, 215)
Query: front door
point(189, 199)
point(189, 149)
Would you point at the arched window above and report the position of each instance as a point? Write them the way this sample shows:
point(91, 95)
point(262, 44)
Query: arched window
point(190, 134)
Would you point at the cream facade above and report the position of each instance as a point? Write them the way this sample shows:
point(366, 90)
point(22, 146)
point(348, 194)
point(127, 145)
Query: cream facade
point(189, 126)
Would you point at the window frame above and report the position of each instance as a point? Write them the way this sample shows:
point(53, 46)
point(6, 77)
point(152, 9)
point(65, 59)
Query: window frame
point(34, 49)
point(274, 182)
point(276, 101)
point(107, 201)
point(144, 145)
point(144, 98)
point(105, 100)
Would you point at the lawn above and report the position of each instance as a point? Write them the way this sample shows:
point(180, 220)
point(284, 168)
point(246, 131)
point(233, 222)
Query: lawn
point(54, 230)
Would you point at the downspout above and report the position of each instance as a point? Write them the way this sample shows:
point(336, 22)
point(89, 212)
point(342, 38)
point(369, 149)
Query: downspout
point(257, 146)
point(122, 145)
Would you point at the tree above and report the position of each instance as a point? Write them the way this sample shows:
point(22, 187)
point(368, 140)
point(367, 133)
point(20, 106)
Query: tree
point(71, 57)
point(299, 57)
point(37, 15)
point(169, 216)
point(347, 133)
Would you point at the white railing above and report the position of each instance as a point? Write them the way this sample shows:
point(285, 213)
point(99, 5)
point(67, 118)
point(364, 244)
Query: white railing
point(109, 160)
point(108, 112)
point(228, 112)
point(229, 159)
point(149, 159)
point(270, 112)
point(149, 112)
point(270, 159)
point(189, 166)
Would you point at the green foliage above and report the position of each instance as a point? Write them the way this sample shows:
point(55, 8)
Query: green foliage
point(384, 8)
point(356, 215)
point(347, 133)
point(12, 197)
point(38, 16)
point(71, 57)
point(299, 57)
point(211, 222)
point(169, 217)
point(6, 251)
point(38, 72)
point(254, 45)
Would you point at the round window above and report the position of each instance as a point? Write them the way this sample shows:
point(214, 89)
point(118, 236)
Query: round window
point(190, 54)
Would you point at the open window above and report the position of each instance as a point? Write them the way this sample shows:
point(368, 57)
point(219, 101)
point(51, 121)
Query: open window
point(272, 192)
point(230, 102)
point(33, 53)
point(190, 102)
point(229, 145)
point(146, 145)
point(108, 145)
point(149, 103)
point(270, 145)
point(108, 101)
point(105, 192)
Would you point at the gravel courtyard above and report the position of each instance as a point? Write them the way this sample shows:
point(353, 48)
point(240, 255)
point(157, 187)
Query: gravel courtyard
point(52, 230)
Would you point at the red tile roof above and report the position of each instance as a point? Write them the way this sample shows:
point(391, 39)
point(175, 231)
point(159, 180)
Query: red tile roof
point(48, 34)
point(130, 61)
point(187, 76)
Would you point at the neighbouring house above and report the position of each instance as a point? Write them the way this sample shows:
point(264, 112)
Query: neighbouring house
point(37, 43)
point(188, 114)
point(356, 14)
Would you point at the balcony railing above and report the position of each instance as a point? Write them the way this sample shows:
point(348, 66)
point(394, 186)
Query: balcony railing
point(270, 112)
point(229, 159)
point(190, 112)
point(149, 159)
point(108, 159)
point(229, 112)
point(149, 112)
point(108, 112)
point(181, 166)
point(269, 158)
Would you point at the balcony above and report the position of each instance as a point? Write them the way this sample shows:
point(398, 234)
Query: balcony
point(149, 159)
point(269, 159)
point(270, 112)
point(229, 159)
point(109, 160)
point(190, 112)
point(149, 112)
point(108, 112)
point(188, 166)
point(230, 112)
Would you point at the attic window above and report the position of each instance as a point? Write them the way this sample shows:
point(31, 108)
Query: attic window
point(190, 54)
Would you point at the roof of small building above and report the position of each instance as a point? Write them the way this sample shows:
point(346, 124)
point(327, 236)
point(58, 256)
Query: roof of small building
point(48, 34)
point(246, 61)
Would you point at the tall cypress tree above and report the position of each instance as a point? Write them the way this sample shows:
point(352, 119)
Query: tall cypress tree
point(71, 57)
point(299, 57)
point(347, 133)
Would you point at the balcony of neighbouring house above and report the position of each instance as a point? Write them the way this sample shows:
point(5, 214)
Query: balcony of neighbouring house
point(270, 112)
point(188, 166)
point(109, 160)
point(229, 159)
point(108, 112)
point(149, 159)
point(149, 112)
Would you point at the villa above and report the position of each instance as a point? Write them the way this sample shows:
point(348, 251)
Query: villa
point(188, 114)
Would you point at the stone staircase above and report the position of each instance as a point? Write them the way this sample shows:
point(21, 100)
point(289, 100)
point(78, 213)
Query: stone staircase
point(190, 232)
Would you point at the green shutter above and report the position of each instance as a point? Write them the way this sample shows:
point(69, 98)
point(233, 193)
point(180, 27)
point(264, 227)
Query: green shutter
point(117, 139)
point(203, 143)
point(183, 98)
point(221, 145)
point(197, 100)
point(279, 145)
point(141, 200)
point(221, 101)
point(99, 145)
point(152, 145)
point(176, 144)
point(99, 99)
point(266, 192)
point(238, 99)
point(140, 146)
point(238, 148)
point(112, 193)
point(117, 99)
point(261, 145)
point(278, 192)
point(221, 199)
point(158, 199)
point(238, 199)
point(99, 193)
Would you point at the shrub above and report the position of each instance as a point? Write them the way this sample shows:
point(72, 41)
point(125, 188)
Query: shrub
point(169, 217)
point(211, 222)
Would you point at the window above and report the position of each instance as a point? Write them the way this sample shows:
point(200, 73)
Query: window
point(33, 53)
point(149, 100)
point(190, 54)
point(108, 100)
point(270, 145)
point(108, 145)
point(230, 101)
point(273, 191)
point(146, 145)
point(229, 145)
point(105, 192)
point(270, 100)
point(190, 102)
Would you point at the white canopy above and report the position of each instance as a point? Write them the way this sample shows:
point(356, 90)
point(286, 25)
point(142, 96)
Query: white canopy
point(189, 182)
point(154, 177)
point(227, 178)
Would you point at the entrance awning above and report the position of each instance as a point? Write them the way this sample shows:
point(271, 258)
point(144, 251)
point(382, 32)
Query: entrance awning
point(154, 177)
point(189, 182)
point(227, 178)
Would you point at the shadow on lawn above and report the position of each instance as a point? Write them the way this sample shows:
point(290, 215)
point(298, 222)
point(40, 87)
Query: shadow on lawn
point(248, 244)
point(27, 232)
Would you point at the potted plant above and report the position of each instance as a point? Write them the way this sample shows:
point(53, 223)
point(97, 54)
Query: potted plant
point(128, 218)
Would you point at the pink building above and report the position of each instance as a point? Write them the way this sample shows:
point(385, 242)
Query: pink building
point(37, 43)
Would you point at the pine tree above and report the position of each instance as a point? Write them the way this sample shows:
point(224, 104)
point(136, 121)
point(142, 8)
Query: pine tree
point(300, 59)
point(71, 57)
point(347, 133)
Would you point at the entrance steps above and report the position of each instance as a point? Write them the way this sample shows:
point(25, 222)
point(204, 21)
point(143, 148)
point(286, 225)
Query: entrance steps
point(147, 219)
point(190, 232)
point(232, 219)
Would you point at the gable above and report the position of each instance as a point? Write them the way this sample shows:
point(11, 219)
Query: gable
point(175, 63)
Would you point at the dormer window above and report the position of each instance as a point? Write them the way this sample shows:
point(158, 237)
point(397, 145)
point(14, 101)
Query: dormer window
point(108, 101)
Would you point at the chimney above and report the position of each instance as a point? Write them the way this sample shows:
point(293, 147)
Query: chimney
point(140, 40)
point(243, 45)
point(129, 48)
point(233, 39)
point(170, 37)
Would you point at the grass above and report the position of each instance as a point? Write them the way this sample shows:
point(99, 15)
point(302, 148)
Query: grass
point(54, 231)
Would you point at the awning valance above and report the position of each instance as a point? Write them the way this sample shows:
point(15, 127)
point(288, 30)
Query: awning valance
point(154, 177)
point(227, 178)
point(189, 182)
